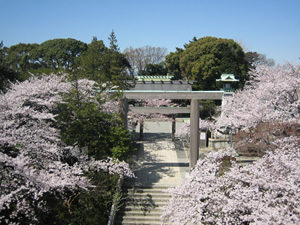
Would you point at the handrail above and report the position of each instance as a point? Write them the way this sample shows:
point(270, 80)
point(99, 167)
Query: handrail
point(113, 210)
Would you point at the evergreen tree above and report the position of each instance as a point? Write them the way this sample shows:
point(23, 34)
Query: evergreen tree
point(104, 64)
point(113, 45)
point(204, 60)
point(7, 75)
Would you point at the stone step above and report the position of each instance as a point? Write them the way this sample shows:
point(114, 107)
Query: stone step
point(145, 204)
point(148, 191)
point(148, 194)
point(141, 219)
point(142, 197)
point(137, 223)
point(138, 209)
point(138, 213)
point(158, 189)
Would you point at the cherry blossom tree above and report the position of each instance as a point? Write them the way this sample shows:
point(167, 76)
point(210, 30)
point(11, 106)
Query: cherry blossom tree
point(33, 159)
point(272, 94)
point(135, 118)
point(219, 190)
point(183, 132)
point(266, 192)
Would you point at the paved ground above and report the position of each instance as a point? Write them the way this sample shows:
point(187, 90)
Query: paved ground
point(159, 161)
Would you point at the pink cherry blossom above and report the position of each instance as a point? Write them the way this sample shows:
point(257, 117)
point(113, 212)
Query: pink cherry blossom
point(221, 191)
point(265, 192)
point(32, 155)
point(272, 94)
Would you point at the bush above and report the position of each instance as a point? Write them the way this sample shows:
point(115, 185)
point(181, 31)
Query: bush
point(84, 206)
point(82, 123)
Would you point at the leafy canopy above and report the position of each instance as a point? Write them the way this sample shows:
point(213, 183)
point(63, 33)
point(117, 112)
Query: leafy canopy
point(102, 64)
point(204, 60)
point(82, 122)
point(61, 53)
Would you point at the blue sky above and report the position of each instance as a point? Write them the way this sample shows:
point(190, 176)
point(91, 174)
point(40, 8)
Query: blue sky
point(271, 27)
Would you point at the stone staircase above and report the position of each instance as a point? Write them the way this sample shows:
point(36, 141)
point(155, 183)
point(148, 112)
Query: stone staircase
point(143, 205)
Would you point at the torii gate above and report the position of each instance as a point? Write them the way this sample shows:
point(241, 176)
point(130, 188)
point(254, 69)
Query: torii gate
point(194, 96)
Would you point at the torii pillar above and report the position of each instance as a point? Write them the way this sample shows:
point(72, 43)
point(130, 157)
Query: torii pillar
point(123, 109)
point(194, 133)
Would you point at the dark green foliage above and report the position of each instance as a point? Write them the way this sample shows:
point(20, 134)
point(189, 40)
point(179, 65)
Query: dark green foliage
point(113, 45)
point(19, 61)
point(254, 59)
point(7, 75)
point(22, 57)
point(61, 53)
point(102, 64)
point(173, 63)
point(120, 140)
point(44, 70)
point(116, 64)
point(154, 69)
point(207, 109)
point(96, 61)
point(3, 53)
point(11, 151)
point(82, 123)
point(52, 54)
point(205, 59)
point(90, 207)
point(91, 60)
point(102, 135)
point(81, 207)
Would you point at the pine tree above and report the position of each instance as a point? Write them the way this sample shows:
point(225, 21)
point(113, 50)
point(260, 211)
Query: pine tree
point(113, 45)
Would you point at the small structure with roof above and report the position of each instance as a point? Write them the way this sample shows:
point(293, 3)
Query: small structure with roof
point(227, 80)
point(161, 82)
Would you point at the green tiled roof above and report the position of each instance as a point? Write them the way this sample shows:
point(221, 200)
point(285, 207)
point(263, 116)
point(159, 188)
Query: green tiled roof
point(155, 78)
point(228, 78)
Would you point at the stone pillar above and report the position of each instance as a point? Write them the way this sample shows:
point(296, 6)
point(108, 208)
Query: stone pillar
point(141, 130)
point(173, 126)
point(194, 133)
point(124, 111)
